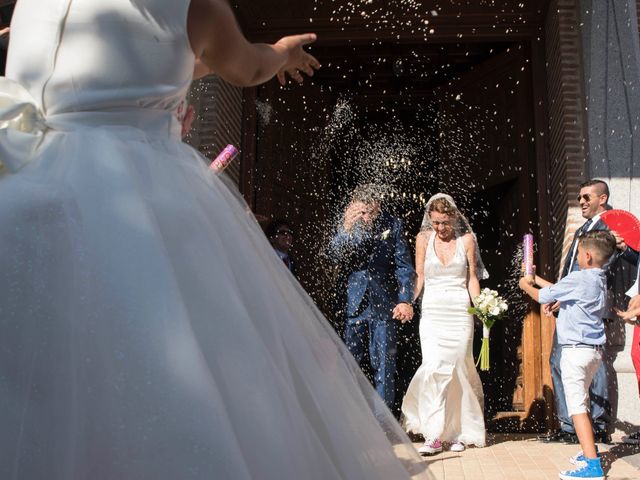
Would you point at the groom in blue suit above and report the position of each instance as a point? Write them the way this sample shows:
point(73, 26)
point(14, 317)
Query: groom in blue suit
point(376, 266)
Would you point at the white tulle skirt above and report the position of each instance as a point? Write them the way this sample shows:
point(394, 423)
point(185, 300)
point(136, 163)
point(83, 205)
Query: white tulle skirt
point(148, 331)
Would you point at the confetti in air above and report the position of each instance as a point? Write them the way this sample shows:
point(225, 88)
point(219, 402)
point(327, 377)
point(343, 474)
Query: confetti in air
point(265, 112)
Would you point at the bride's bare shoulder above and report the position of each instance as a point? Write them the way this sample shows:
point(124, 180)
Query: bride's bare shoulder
point(423, 237)
point(468, 240)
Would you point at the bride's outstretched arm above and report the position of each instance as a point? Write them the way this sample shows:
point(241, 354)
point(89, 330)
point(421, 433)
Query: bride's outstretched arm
point(473, 284)
point(421, 248)
point(222, 49)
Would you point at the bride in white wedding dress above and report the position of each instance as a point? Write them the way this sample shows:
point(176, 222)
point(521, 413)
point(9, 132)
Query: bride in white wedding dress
point(147, 329)
point(444, 399)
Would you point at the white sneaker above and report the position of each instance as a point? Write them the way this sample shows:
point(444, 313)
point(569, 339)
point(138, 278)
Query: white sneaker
point(457, 447)
point(430, 447)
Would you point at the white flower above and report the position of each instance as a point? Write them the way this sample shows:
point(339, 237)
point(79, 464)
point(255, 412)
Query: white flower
point(490, 304)
point(385, 234)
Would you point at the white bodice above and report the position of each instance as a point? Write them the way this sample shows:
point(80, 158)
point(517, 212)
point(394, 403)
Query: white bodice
point(439, 276)
point(140, 57)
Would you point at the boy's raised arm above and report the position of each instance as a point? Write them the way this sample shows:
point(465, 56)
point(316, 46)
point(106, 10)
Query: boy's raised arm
point(528, 284)
point(541, 282)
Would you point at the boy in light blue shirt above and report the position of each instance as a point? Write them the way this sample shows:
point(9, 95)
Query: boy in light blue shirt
point(583, 300)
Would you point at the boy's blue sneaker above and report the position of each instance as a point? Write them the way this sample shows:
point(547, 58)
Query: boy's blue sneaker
point(589, 468)
point(579, 457)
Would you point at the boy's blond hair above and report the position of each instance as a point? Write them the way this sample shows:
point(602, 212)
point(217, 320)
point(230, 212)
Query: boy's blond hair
point(601, 244)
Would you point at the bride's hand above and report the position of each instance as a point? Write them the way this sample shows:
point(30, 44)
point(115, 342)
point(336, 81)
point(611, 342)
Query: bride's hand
point(297, 59)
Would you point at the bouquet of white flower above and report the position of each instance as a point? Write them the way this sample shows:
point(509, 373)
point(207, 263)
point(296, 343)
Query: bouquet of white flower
point(488, 307)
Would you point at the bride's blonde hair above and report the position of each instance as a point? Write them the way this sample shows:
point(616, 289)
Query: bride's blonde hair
point(442, 205)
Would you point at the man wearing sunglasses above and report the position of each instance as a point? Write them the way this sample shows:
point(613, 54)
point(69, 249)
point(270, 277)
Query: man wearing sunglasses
point(593, 199)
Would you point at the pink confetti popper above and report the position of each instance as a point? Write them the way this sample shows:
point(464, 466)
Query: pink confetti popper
point(223, 160)
point(527, 254)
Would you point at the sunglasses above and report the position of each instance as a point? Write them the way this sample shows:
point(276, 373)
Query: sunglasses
point(586, 196)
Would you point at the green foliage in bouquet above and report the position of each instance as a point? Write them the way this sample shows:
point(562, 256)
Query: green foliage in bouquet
point(489, 307)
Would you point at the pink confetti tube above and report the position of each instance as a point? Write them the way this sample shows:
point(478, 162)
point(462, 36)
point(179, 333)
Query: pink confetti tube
point(527, 254)
point(223, 160)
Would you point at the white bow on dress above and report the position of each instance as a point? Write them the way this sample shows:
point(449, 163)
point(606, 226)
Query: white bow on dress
point(22, 124)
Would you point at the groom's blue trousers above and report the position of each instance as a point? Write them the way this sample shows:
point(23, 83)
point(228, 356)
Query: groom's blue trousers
point(377, 332)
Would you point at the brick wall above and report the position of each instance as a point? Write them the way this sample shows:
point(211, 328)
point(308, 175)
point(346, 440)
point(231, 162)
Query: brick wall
point(566, 123)
point(218, 119)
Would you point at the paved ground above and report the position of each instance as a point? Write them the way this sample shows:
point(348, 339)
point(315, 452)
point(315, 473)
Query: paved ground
point(509, 457)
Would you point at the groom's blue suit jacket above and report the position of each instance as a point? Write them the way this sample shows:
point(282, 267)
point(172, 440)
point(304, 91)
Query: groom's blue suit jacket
point(376, 262)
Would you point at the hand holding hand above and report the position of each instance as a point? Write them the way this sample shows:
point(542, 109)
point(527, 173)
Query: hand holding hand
point(297, 59)
point(403, 312)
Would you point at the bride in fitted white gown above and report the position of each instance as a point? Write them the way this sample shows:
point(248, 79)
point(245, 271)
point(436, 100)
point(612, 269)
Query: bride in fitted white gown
point(147, 329)
point(444, 399)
